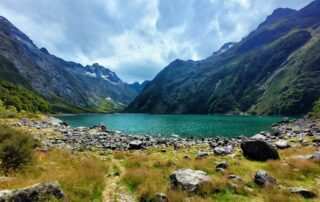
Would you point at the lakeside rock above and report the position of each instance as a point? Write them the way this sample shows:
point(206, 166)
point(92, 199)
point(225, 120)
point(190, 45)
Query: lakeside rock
point(189, 180)
point(36, 193)
point(259, 150)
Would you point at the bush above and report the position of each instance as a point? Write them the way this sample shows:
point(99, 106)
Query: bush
point(15, 149)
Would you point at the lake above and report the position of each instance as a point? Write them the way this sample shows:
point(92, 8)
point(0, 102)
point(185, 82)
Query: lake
point(176, 125)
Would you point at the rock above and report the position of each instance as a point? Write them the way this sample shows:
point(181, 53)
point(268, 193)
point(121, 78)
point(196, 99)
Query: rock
point(202, 154)
point(262, 178)
point(189, 180)
point(259, 150)
point(223, 165)
point(316, 140)
point(219, 151)
point(282, 144)
point(316, 156)
point(259, 137)
point(219, 170)
point(36, 193)
point(160, 197)
point(305, 193)
point(186, 157)
point(135, 144)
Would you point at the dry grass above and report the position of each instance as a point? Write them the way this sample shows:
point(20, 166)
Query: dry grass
point(81, 178)
point(147, 173)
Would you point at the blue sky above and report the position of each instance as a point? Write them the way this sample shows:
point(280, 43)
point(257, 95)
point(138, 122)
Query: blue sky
point(137, 38)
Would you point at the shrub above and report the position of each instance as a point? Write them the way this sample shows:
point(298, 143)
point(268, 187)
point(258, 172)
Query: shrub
point(15, 149)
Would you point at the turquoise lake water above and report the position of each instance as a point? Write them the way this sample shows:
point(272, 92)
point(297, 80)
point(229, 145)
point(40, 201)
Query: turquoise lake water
point(176, 125)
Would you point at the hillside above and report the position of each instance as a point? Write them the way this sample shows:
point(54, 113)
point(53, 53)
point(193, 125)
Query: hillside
point(22, 98)
point(274, 70)
point(71, 87)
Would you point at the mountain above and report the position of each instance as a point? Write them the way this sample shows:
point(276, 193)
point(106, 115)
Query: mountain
point(139, 87)
point(65, 84)
point(274, 70)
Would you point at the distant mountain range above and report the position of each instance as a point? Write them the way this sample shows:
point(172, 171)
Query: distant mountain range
point(274, 70)
point(69, 86)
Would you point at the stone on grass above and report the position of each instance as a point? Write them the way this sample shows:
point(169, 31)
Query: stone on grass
point(262, 178)
point(223, 165)
point(188, 179)
point(259, 150)
point(219, 151)
point(36, 193)
point(282, 144)
point(305, 193)
point(202, 154)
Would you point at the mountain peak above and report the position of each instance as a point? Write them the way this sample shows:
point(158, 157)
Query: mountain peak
point(277, 14)
point(224, 48)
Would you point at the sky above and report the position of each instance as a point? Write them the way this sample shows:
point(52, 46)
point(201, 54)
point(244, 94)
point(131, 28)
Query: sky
point(137, 38)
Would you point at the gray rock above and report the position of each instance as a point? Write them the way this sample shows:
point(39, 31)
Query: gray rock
point(202, 154)
point(316, 156)
point(305, 193)
point(259, 137)
point(36, 193)
point(259, 150)
point(189, 180)
point(282, 144)
point(135, 144)
point(160, 196)
point(223, 165)
point(262, 178)
point(219, 151)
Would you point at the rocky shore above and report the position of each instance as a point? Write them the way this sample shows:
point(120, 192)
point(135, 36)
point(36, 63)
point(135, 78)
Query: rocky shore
point(286, 134)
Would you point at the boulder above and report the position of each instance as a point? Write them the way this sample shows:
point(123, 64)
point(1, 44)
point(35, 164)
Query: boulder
point(259, 137)
point(282, 144)
point(202, 154)
point(316, 156)
point(305, 193)
point(189, 180)
point(219, 151)
point(316, 140)
point(36, 193)
point(259, 150)
point(262, 178)
point(223, 165)
point(135, 144)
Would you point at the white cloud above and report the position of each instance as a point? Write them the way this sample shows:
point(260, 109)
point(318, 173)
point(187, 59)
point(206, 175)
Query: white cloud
point(137, 38)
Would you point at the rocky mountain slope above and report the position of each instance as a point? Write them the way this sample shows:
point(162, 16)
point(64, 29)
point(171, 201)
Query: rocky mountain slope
point(65, 84)
point(274, 70)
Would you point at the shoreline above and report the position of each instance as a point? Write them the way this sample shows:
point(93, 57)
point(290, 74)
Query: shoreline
point(53, 132)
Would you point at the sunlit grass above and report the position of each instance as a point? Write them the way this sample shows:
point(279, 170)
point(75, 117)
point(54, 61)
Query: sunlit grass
point(82, 178)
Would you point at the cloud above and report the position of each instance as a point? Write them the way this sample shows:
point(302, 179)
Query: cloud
point(137, 38)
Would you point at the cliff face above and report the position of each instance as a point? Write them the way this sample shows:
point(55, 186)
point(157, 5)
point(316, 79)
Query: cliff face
point(274, 70)
point(62, 82)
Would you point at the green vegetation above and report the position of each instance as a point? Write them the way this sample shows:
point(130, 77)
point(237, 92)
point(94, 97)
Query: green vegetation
point(21, 98)
point(15, 149)
point(316, 110)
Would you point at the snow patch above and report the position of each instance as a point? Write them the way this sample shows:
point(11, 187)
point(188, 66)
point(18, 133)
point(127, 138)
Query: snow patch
point(90, 74)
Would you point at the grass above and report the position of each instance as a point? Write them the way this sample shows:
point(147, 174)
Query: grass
point(147, 173)
point(82, 178)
